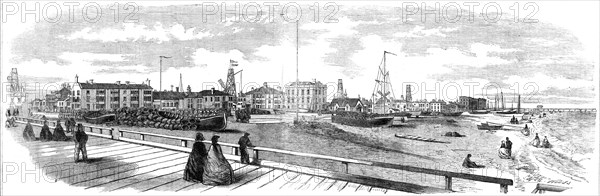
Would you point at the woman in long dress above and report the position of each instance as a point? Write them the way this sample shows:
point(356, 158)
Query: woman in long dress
point(59, 133)
point(45, 134)
point(217, 170)
point(194, 170)
point(28, 134)
point(536, 141)
point(503, 151)
point(546, 143)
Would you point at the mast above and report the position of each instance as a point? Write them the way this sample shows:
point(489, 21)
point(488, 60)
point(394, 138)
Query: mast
point(502, 97)
point(161, 58)
point(384, 83)
point(519, 105)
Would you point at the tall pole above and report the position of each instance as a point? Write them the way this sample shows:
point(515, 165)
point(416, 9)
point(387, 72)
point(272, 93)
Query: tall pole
point(161, 58)
point(297, 80)
point(384, 84)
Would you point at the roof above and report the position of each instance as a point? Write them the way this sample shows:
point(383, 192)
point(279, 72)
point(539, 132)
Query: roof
point(304, 83)
point(167, 95)
point(113, 86)
point(343, 101)
point(210, 93)
point(264, 90)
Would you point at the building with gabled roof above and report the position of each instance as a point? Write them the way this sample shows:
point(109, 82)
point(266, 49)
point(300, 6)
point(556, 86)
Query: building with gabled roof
point(347, 104)
point(265, 97)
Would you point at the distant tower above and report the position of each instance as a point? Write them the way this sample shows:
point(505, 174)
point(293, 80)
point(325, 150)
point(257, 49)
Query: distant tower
point(76, 78)
point(408, 93)
point(180, 82)
point(340, 89)
point(230, 84)
point(16, 92)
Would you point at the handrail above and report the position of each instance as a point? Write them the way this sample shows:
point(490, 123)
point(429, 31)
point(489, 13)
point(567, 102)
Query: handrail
point(235, 148)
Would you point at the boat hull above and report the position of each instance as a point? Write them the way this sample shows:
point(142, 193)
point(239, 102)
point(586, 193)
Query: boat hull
point(213, 123)
point(100, 119)
point(451, 113)
point(368, 122)
point(479, 112)
point(485, 126)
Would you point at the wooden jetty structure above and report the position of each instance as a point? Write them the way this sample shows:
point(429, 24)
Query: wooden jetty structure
point(146, 165)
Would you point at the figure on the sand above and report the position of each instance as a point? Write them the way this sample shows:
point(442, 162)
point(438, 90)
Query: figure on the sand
point(244, 143)
point(536, 141)
point(80, 140)
point(503, 152)
point(546, 143)
point(470, 164)
point(45, 134)
point(194, 170)
point(509, 146)
point(28, 134)
point(217, 170)
point(59, 133)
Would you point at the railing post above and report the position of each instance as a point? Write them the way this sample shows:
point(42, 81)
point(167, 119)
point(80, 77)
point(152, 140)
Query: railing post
point(112, 137)
point(120, 133)
point(91, 130)
point(184, 143)
point(256, 158)
point(142, 137)
point(448, 182)
point(100, 130)
point(346, 167)
point(235, 151)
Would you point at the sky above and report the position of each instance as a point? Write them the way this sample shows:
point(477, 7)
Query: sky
point(550, 59)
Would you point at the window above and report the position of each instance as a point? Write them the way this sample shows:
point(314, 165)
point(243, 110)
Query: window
point(211, 99)
point(147, 98)
point(217, 99)
point(87, 92)
point(114, 99)
point(100, 92)
point(78, 93)
point(147, 92)
point(308, 92)
point(302, 92)
point(124, 98)
point(100, 99)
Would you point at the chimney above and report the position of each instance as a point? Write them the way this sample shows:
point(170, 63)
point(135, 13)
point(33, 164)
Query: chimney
point(118, 82)
point(91, 81)
point(171, 88)
point(212, 91)
point(148, 81)
point(177, 89)
point(127, 82)
point(265, 84)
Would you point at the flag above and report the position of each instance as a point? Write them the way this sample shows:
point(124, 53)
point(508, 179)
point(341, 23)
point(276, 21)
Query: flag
point(233, 63)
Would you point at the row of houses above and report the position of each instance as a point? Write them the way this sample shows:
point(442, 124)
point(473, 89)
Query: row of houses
point(107, 96)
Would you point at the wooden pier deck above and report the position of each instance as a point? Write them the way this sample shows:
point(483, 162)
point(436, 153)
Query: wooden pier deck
point(117, 165)
point(123, 159)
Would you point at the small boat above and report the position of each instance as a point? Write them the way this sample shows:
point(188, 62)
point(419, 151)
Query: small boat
point(418, 138)
point(361, 119)
point(213, 123)
point(487, 126)
point(507, 112)
point(479, 111)
point(451, 113)
point(100, 119)
point(425, 113)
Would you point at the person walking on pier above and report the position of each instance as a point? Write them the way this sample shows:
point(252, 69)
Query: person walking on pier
point(194, 169)
point(244, 143)
point(28, 134)
point(80, 140)
point(45, 134)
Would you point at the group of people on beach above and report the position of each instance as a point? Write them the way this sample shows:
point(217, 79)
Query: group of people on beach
point(505, 151)
point(79, 137)
point(210, 167)
point(543, 144)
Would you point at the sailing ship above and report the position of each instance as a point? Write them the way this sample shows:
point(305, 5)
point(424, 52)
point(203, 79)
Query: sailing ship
point(99, 119)
point(511, 111)
point(382, 93)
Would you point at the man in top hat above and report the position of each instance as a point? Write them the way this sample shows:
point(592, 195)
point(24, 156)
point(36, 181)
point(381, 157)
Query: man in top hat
point(244, 143)
point(80, 140)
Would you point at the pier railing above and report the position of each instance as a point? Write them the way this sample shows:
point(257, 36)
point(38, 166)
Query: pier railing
point(109, 133)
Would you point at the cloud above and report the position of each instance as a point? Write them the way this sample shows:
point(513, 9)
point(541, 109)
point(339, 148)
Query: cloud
point(135, 32)
point(420, 31)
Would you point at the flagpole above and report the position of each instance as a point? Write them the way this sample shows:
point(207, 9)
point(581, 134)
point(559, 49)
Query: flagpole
point(297, 80)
